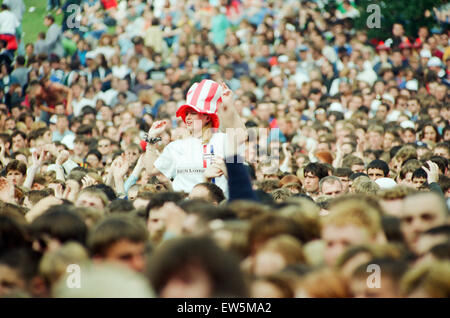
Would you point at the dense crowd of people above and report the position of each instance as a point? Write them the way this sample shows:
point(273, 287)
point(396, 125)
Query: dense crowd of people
point(196, 148)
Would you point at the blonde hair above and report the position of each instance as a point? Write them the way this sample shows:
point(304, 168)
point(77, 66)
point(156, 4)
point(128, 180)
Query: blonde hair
point(432, 277)
point(286, 245)
point(354, 212)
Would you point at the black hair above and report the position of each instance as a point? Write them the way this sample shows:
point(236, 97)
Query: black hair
point(317, 169)
point(379, 164)
point(215, 192)
point(419, 173)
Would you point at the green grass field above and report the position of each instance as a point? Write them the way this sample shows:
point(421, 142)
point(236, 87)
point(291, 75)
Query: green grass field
point(33, 22)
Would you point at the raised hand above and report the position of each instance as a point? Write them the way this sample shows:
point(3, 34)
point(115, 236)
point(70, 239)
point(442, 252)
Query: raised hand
point(37, 161)
point(87, 181)
point(219, 163)
point(157, 128)
point(120, 167)
point(62, 157)
point(432, 172)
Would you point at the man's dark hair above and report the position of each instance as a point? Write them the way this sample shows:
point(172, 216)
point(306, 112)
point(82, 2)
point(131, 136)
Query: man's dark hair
point(159, 199)
point(177, 256)
point(18, 132)
point(317, 169)
point(379, 164)
point(24, 260)
point(50, 17)
point(419, 173)
point(20, 60)
point(343, 172)
point(120, 206)
point(16, 165)
point(355, 175)
point(215, 192)
point(12, 234)
point(62, 223)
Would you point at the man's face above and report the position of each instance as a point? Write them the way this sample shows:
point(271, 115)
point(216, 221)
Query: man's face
point(93, 162)
point(90, 201)
point(263, 112)
point(18, 142)
point(311, 182)
point(104, 147)
point(409, 137)
point(375, 140)
point(418, 182)
point(345, 181)
point(375, 174)
point(420, 213)
point(440, 151)
point(358, 168)
point(339, 238)
point(332, 189)
point(413, 106)
point(15, 176)
point(79, 148)
point(156, 222)
point(131, 254)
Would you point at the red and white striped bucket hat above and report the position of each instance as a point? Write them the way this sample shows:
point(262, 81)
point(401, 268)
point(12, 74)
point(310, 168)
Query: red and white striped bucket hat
point(204, 98)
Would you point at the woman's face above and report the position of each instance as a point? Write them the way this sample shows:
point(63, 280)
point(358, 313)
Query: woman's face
point(193, 117)
point(429, 133)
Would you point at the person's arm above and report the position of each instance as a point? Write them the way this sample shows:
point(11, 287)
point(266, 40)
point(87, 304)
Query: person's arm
point(134, 177)
point(151, 151)
point(229, 117)
point(239, 183)
point(433, 177)
point(120, 167)
point(33, 169)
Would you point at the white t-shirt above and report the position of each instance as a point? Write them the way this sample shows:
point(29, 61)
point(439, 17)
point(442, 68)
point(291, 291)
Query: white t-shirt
point(8, 23)
point(182, 160)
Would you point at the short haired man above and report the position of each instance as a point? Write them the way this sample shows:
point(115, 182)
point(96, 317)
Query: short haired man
point(421, 212)
point(377, 169)
point(119, 238)
point(313, 173)
point(344, 175)
point(331, 186)
point(207, 191)
point(16, 171)
point(350, 222)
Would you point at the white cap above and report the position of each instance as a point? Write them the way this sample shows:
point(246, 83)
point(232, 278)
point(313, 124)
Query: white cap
point(386, 183)
point(407, 124)
point(283, 59)
point(434, 62)
point(388, 97)
point(374, 105)
point(412, 85)
point(425, 54)
point(336, 107)
point(91, 55)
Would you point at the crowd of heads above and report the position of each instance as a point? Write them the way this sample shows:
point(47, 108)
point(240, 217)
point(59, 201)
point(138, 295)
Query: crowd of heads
point(358, 130)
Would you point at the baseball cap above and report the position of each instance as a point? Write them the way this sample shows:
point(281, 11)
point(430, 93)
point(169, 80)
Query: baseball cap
point(425, 54)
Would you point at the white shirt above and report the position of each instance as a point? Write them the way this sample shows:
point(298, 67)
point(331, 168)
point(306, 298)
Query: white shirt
point(8, 22)
point(79, 105)
point(182, 160)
